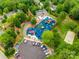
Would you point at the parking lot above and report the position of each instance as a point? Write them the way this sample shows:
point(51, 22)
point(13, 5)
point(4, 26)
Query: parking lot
point(28, 51)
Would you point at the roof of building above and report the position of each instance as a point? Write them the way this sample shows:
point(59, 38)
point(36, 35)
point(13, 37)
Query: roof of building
point(53, 7)
point(41, 12)
point(10, 13)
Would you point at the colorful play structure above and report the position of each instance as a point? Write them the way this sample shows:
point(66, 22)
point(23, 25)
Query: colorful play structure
point(46, 24)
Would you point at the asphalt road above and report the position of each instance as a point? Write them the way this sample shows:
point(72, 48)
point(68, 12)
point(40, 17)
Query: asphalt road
point(28, 51)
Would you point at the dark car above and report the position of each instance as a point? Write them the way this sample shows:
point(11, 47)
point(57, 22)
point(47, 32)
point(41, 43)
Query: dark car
point(36, 44)
point(17, 55)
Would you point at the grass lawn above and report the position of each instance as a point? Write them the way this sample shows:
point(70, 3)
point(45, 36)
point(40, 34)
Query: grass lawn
point(63, 27)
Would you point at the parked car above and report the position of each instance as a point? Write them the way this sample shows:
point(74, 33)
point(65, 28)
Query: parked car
point(47, 53)
point(43, 47)
point(17, 55)
point(16, 52)
point(36, 44)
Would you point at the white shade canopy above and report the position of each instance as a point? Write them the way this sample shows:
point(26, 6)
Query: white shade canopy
point(69, 37)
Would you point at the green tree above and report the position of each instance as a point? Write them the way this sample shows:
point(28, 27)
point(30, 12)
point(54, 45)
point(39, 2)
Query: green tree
point(11, 32)
point(1, 12)
point(9, 52)
point(17, 19)
point(68, 5)
point(63, 54)
point(6, 10)
point(4, 20)
point(5, 39)
point(33, 8)
point(8, 38)
point(8, 44)
point(59, 8)
point(61, 17)
point(28, 18)
point(71, 25)
point(20, 16)
point(17, 23)
point(55, 2)
point(56, 38)
point(22, 6)
point(61, 1)
point(46, 3)
point(33, 21)
point(47, 37)
point(75, 13)
point(5, 17)
point(77, 57)
point(76, 30)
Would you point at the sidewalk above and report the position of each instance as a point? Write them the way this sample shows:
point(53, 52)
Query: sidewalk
point(32, 38)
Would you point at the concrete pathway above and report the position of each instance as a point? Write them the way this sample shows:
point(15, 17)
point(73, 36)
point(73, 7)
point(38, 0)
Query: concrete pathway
point(2, 56)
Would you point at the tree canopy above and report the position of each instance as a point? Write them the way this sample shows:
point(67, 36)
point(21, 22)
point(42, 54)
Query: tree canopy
point(47, 37)
point(75, 13)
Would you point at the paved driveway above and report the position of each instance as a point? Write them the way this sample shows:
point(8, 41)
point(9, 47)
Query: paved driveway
point(27, 51)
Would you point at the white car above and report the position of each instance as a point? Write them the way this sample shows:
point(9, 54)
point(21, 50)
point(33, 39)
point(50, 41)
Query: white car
point(16, 52)
point(35, 43)
point(43, 47)
point(25, 41)
point(47, 53)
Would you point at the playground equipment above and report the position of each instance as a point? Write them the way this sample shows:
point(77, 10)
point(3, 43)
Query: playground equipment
point(46, 24)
